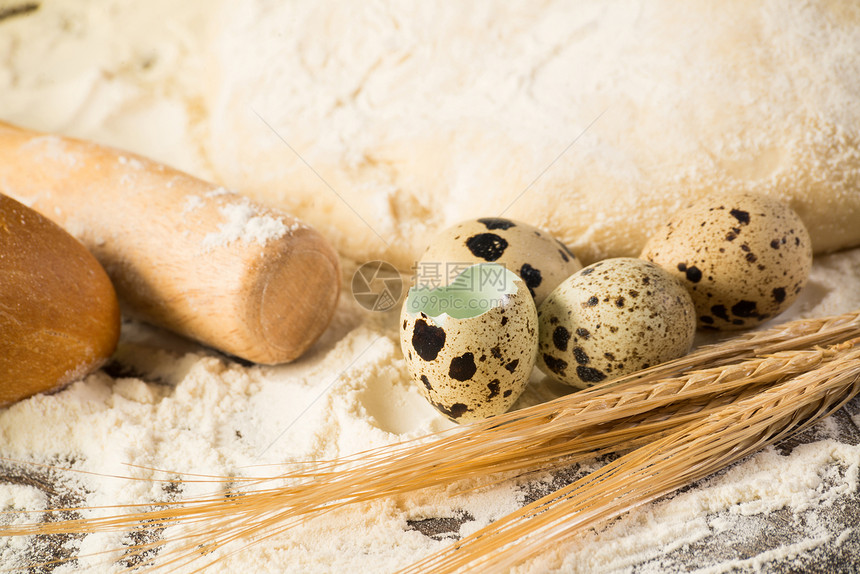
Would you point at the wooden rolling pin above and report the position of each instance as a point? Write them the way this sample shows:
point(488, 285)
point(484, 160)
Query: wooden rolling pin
point(182, 253)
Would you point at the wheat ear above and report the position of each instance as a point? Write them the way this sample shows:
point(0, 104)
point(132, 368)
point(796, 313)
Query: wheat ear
point(643, 413)
point(577, 424)
point(621, 419)
point(644, 475)
point(614, 416)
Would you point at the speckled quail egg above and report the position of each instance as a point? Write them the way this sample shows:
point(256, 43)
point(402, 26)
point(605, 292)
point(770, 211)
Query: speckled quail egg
point(541, 260)
point(614, 317)
point(744, 257)
point(471, 345)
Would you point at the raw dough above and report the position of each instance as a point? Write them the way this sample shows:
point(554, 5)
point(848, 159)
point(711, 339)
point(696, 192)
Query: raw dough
point(403, 122)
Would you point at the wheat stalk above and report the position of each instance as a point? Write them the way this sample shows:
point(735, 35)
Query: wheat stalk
point(616, 416)
point(576, 425)
point(659, 468)
point(619, 419)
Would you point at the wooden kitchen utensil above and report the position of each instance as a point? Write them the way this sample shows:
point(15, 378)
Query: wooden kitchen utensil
point(59, 315)
point(182, 253)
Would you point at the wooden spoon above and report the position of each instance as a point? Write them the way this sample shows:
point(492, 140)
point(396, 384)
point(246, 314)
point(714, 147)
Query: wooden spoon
point(59, 315)
point(183, 253)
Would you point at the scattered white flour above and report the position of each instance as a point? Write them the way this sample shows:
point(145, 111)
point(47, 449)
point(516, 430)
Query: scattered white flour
point(244, 223)
point(219, 192)
point(130, 162)
point(54, 149)
point(192, 202)
point(382, 121)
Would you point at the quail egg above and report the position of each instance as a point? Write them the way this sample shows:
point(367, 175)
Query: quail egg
point(471, 345)
point(538, 258)
point(744, 257)
point(612, 318)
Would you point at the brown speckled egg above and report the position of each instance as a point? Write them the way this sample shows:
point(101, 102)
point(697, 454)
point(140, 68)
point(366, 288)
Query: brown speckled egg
point(744, 257)
point(471, 346)
point(614, 317)
point(537, 257)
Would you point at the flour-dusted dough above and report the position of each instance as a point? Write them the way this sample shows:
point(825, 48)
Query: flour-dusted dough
point(400, 122)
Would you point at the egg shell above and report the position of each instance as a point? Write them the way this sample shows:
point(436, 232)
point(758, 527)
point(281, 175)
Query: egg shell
point(614, 317)
point(532, 253)
point(472, 368)
point(744, 257)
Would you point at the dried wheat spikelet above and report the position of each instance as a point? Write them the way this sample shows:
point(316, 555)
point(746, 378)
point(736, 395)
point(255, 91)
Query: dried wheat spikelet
point(724, 386)
point(659, 468)
point(617, 416)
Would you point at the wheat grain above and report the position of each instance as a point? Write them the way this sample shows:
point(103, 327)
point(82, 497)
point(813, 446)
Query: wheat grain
point(692, 452)
point(575, 433)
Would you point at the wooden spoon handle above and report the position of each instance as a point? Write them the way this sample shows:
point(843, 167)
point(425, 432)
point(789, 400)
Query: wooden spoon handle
point(183, 253)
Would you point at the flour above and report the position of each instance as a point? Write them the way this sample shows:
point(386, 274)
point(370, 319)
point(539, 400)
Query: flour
point(417, 119)
point(130, 162)
point(191, 203)
point(241, 220)
point(638, 107)
point(243, 223)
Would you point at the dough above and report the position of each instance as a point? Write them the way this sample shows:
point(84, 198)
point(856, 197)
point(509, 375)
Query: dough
point(390, 123)
point(593, 120)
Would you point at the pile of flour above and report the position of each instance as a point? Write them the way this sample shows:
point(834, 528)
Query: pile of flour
point(378, 156)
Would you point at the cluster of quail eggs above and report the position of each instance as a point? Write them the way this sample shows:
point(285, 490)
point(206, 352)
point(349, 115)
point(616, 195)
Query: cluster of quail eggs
point(497, 297)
